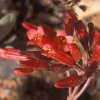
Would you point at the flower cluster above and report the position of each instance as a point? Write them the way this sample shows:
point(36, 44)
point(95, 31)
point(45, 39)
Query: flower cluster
point(59, 51)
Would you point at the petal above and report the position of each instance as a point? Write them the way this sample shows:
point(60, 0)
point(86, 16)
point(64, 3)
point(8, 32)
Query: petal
point(61, 33)
point(91, 33)
point(57, 68)
point(66, 47)
point(23, 71)
point(15, 54)
point(28, 25)
point(69, 39)
point(96, 55)
point(37, 54)
point(69, 22)
point(49, 32)
point(40, 30)
point(59, 42)
point(91, 69)
point(81, 30)
point(75, 52)
point(40, 41)
point(97, 38)
point(34, 63)
point(58, 55)
point(70, 81)
point(31, 33)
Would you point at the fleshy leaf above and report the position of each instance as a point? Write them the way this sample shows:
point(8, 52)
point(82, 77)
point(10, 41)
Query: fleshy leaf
point(70, 81)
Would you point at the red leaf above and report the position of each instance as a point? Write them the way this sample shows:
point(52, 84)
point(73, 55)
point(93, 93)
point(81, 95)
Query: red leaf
point(71, 81)
point(23, 71)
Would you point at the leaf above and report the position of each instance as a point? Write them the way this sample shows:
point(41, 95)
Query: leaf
point(70, 81)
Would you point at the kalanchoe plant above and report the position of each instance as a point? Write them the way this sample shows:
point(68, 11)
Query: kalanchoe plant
point(60, 53)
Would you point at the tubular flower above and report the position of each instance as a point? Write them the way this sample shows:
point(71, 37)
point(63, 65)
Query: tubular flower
point(61, 48)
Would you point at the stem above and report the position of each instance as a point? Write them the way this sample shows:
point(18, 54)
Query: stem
point(77, 87)
point(69, 89)
point(83, 88)
point(75, 90)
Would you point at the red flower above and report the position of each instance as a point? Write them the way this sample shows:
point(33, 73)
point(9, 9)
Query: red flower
point(59, 47)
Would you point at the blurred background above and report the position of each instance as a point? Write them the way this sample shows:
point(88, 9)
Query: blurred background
point(39, 85)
